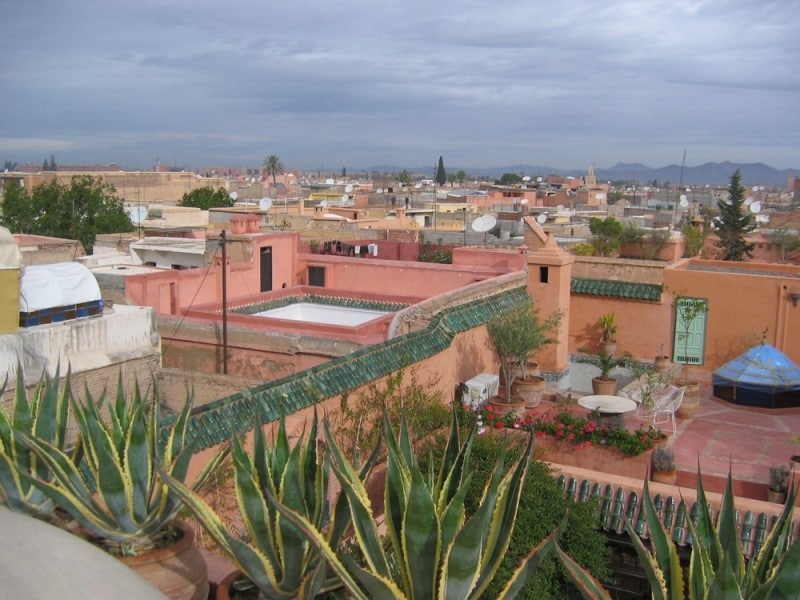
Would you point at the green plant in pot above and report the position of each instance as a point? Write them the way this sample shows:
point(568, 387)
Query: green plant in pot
point(275, 558)
point(516, 336)
point(608, 329)
point(663, 461)
point(116, 493)
point(689, 312)
point(778, 476)
point(43, 416)
point(605, 383)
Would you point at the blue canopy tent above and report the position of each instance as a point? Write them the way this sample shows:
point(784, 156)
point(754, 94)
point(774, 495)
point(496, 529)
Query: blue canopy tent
point(763, 376)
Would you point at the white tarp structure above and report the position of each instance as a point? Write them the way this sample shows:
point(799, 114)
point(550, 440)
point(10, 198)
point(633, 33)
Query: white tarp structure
point(59, 284)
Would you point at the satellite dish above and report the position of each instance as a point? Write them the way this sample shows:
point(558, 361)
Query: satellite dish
point(379, 191)
point(539, 179)
point(755, 207)
point(137, 215)
point(541, 219)
point(523, 201)
point(526, 178)
point(324, 204)
point(683, 197)
point(418, 186)
point(252, 180)
point(684, 201)
point(484, 223)
point(348, 188)
point(329, 181)
point(598, 196)
point(345, 198)
point(688, 189)
point(748, 201)
point(233, 196)
point(265, 204)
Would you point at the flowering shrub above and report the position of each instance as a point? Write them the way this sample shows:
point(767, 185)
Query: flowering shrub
point(578, 431)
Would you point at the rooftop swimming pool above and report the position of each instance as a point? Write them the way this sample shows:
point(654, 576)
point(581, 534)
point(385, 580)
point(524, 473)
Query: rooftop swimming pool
point(326, 314)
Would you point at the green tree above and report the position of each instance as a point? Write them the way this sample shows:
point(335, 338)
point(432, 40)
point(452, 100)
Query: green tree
point(784, 241)
point(451, 179)
point(80, 211)
point(273, 167)
point(734, 223)
point(205, 198)
point(607, 235)
point(403, 177)
point(460, 177)
point(441, 175)
point(509, 179)
point(693, 239)
point(344, 171)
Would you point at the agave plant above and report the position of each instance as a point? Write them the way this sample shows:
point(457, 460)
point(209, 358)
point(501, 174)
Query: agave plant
point(115, 491)
point(44, 417)
point(277, 559)
point(718, 567)
point(433, 549)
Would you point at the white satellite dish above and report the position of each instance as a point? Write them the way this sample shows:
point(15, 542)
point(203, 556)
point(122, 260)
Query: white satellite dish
point(329, 181)
point(379, 191)
point(684, 201)
point(324, 204)
point(748, 201)
point(233, 196)
point(265, 204)
point(252, 180)
point(344, 198)
point(526, 178)
point(539, 179)
point(348, 188)
point(523, 201)
point(137, 215)
point(541, 219)
point(484, 223)
point(418, 186)
point(755, 207)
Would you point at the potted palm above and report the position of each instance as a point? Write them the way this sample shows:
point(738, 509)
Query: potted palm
point(776, 492)
point(605, 383)
point(664, 471)
point(516, 336)
point(115, 490)
point(608, 328)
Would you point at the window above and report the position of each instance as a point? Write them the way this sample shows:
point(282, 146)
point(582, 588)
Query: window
point(544, 275)
point(316, 276)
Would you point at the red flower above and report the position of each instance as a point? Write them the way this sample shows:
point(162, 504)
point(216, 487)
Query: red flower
point(498, 424)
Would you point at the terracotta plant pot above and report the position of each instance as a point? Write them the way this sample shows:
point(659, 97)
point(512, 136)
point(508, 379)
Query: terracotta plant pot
point(500, 406)
point(691, 399)
point(179, 571)
point(668, 477)
point(773, 496)
point(606, 387)
point(529, 389)
point(662, 364)
point(609, 348)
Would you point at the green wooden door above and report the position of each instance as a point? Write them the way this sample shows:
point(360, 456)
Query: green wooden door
point(690, 331)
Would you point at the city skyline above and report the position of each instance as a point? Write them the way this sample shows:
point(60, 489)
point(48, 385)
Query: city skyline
point(326, 86)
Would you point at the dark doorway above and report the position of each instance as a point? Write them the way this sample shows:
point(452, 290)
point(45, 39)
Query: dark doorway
point(266, 269)
point(316, 276)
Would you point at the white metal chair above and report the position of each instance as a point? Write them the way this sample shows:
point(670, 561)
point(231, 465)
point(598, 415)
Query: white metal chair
point(665, 407)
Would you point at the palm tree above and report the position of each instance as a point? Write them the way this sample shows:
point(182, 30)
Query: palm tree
point(274, 167)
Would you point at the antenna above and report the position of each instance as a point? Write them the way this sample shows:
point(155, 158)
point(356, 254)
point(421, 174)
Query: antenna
point(265, 204)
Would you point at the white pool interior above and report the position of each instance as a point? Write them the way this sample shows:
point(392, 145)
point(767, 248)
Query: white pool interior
point(312, 312)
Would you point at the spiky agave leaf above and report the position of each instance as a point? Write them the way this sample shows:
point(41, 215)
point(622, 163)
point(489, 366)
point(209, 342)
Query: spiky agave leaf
point(728, 532)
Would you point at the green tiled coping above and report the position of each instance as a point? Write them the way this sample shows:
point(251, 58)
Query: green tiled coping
point(618, 289)
point(219, 420)
point(618, 506)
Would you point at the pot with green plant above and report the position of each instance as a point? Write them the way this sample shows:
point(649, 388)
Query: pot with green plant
point(604, 383)
point(516, 336)
point(608, 329)
point(275, 560)
point(662, 361)
point(778, 476)
point(663, 462)
point(690, 316)
point(115, 491)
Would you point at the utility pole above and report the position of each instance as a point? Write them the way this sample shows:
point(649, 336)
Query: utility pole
point(223, 240)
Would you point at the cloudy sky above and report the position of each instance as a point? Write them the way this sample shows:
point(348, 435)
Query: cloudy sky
point(332, 83)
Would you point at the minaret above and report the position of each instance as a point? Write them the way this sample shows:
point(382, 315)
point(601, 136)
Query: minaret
point(591, 180)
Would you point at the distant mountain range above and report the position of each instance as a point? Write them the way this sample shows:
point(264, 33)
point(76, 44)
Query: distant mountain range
point(718, 174)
